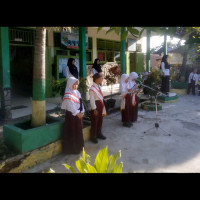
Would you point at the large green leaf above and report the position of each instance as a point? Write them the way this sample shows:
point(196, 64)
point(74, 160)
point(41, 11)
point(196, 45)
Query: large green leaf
point(99, 28)
point(101, 161)
point(110, 30)
point(133, 31)
point(118, 168)
point(81, 166)
point(70, 168)
point(91, 169)
point(113, 161)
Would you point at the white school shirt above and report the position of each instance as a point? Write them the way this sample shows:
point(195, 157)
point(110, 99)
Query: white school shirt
point(166, 71)
point(193, 76)
point(72, 106)
point(94, 97)
point(68, 73)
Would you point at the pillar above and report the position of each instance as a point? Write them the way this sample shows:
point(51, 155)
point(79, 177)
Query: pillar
point(5, 74)
point(82, 53)
point(148, 51)
point(123, 52)
point(165, 45)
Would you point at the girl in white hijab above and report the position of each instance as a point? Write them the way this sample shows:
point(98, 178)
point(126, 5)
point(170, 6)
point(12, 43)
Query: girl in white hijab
point(134, 99)
point(73, 141)
point(126, 101)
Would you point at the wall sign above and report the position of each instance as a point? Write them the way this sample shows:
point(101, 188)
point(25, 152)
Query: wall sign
point(70, 39)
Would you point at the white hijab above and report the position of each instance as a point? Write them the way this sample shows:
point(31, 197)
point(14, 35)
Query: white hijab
point(123, 84)
point(131, 83)
point(70, 83)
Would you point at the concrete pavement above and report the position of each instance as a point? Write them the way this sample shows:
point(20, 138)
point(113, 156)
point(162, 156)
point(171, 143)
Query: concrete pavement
point(154, 152)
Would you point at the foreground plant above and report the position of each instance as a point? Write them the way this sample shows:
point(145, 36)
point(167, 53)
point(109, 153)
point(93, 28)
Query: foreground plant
point(103, 163)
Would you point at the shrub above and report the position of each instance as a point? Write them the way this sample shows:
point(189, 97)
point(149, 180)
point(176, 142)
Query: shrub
point(103, 163)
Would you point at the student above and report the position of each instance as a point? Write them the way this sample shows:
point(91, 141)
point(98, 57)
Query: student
point(71, 69)
point(165, 74)
point(98, 108)
point(96, 68)
point(198, 83)
point(134, 99)
point(73, 135)
point(126, 101)
point(192, 81)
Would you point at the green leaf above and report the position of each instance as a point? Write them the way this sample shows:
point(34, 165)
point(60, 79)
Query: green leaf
point(101, 160)
point(91, 169)
point(99, 28)
point(111, 29)
point(118, 168)
point(81, 166)
point(113, 161)
point(70, 168)
point(133, 31)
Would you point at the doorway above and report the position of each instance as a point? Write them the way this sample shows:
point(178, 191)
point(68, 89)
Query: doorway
point(21, 70)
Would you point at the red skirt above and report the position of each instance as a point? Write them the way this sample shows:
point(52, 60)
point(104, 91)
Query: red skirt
point(96, 121)
point(127, 112)
point(72, 138)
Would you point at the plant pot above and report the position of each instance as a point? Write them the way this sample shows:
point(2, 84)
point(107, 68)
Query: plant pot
point(111, 103)
point(148, 105)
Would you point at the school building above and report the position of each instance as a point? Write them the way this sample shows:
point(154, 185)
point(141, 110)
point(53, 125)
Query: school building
point(104, 46)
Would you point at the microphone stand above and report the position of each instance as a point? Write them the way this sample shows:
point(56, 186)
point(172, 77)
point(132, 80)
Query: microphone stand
point(157, 92)
point(157, 124)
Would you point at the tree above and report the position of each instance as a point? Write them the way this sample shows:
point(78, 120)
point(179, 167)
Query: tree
point(38, 100)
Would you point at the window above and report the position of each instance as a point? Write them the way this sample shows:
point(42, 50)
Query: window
point(108, 50)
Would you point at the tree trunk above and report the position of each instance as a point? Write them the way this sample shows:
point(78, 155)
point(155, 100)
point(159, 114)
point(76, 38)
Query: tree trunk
point(38, 101)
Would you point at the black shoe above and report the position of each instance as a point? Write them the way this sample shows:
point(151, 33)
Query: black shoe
point(130, 123)
point(126, 124)
point(102, 137)
point(94, 140)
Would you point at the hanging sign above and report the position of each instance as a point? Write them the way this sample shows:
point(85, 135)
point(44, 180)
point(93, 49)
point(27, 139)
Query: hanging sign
point(70, 39)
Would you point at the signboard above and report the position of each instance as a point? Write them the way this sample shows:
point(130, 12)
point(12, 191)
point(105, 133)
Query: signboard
point(62, 64)
point(70, 39)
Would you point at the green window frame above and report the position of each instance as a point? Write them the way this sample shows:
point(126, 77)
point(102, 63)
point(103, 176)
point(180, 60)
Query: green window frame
point(107, 47)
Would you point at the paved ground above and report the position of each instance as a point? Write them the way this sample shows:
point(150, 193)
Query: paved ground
point(154, 152)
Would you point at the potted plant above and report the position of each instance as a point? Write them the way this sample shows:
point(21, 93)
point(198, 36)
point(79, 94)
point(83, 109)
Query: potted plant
point(153, 81)
point(111, 78)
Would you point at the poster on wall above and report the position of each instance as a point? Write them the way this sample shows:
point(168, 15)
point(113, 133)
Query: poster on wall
point(70, 39)
point(63, 64)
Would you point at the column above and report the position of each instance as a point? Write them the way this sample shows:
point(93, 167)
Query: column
point(5, 74)
point(82, 53)
point(123, 52)
point(148, 51)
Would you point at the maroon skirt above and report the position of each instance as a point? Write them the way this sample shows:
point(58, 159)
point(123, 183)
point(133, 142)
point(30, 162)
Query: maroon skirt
point(96, 121)
point(127, 112)
point(134, 110)
point(72, 137)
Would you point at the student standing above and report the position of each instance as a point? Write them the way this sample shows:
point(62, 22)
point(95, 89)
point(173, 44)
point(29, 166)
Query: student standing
point(192, 81)
point(134, 99)
point(165, 74)
point(96, 68)
point(73, 141)
point(198, 83)
point(71, 69)
point(126, 104)
point(98, 108)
